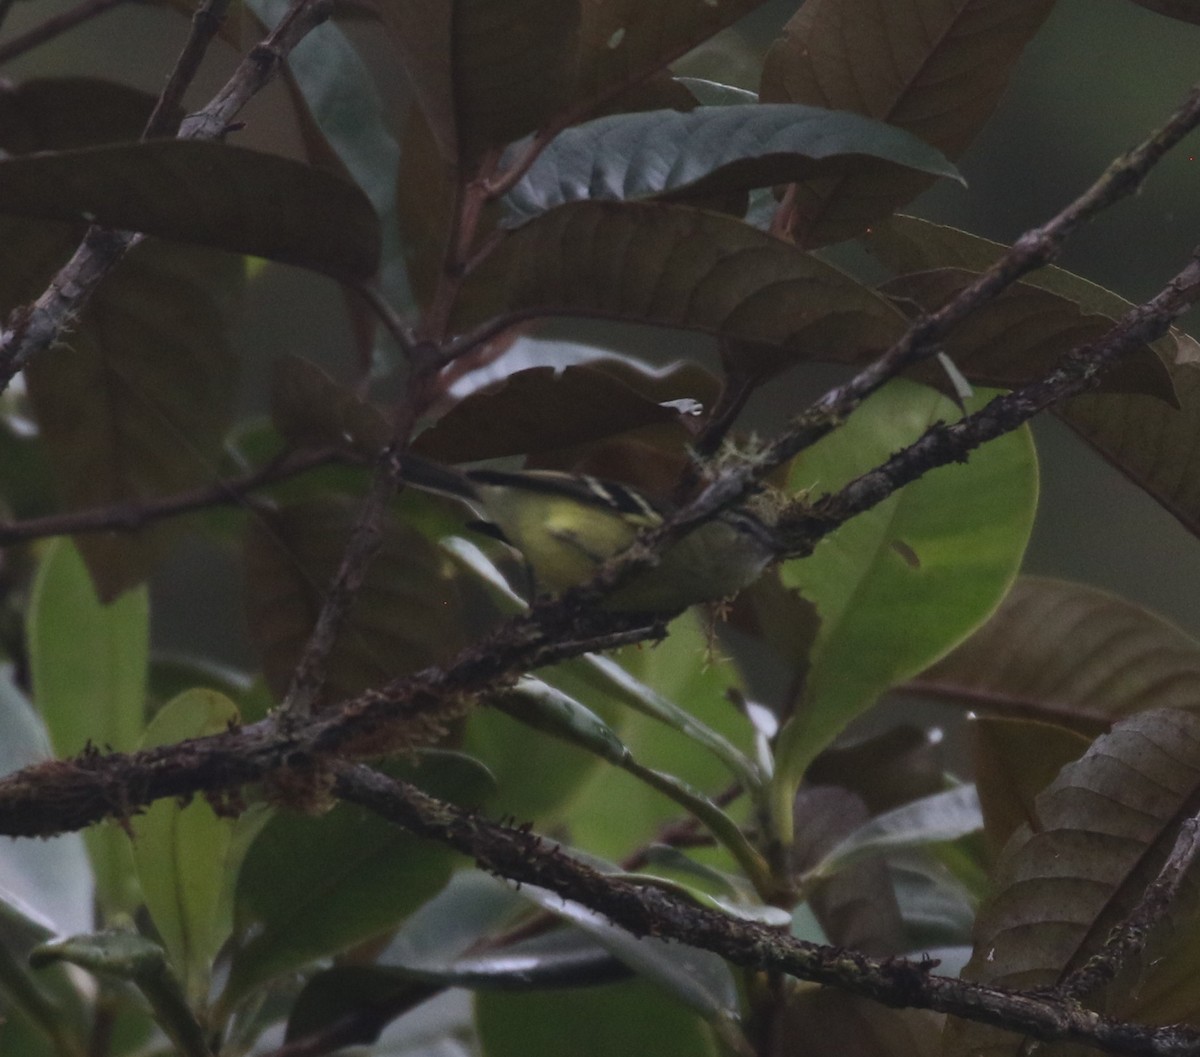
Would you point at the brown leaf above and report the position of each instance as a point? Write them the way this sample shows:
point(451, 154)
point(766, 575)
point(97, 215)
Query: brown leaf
point(826, 1022)
point(1020, 335)
point(485, 71)
point(541, 409)
point(857, 906)
point(135, 404)
point(1014, 760)
point(406, 615)
point(934, 68)
point(1102, 831)
point(680, 267)
point(210, 194)
point(1072, 655)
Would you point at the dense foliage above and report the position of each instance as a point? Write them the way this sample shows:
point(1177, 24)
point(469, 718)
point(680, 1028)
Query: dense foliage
point(706, 814)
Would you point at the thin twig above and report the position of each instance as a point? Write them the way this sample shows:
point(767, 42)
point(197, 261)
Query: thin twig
point(394, 323)
point(133, 515)
point(52, 27)
point(1128, 938)
point(206, 23)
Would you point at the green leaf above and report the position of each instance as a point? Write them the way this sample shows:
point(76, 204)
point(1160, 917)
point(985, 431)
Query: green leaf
point(936, 70)
point(315, 886)
point(941, 817)
point(900, 585)
point(675, 266)
point(206, 193)
point(405, 616)
point(598, 1021)
point(696, 978)
point(46, 886)
point(710, 150)
point(1100, 834)
point(187, 856)
point(89, 666)
point(127, 956)
point(1070, 654)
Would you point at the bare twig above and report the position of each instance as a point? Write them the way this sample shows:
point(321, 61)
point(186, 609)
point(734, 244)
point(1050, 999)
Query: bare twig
point(1130, 936)
point(393, 322)
point(130, 516)
point(52, 27)
point(206, 22)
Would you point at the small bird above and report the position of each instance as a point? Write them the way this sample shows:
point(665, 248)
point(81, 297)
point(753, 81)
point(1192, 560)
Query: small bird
point(568, 525)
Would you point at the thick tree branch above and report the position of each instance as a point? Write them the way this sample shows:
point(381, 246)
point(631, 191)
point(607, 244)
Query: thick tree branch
point(526, 858)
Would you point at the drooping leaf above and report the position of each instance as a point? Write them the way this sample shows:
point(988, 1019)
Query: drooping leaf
point(187, 856)
point(1102, 831)
point(931, 67)
point(135, 406)
point(679, 267)
point(1070, 654)
point(707, 151)
point(206, 193)
point(405, 616)
point(311, 410)
point(888, 610)
point(315, 886)
point(89, 664)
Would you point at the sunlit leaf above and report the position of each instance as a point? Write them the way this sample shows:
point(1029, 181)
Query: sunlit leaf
point(89, 664)
point(933, 68)
point(405, 616)
point(709, 150)
point(883, 616)
point(1070, 654)
point(1102, 831)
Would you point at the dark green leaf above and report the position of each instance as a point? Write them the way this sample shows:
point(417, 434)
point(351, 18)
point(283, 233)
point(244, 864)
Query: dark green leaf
point(707, 151)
